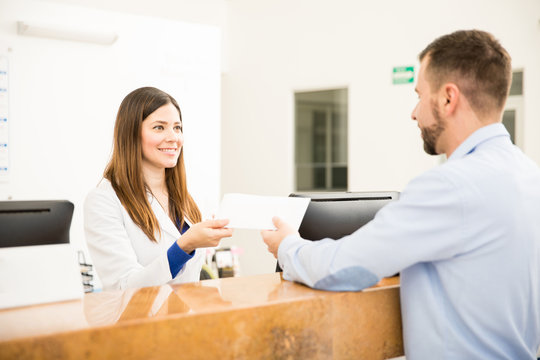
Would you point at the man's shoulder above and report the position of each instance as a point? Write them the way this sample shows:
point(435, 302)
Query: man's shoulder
point(492, 162)
point(453, 175)
point(431, 183)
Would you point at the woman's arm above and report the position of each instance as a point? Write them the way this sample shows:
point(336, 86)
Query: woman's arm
point(110, 246)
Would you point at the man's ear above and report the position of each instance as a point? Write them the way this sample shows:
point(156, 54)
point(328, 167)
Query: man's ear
point(449, 98)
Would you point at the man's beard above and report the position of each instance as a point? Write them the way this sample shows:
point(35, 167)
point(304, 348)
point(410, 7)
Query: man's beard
point(431, 134)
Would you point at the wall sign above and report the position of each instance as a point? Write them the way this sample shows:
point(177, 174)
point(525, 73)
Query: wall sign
point(403, 75)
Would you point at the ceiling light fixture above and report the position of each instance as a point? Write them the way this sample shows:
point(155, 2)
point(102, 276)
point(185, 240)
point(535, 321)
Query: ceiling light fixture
point(52, 32)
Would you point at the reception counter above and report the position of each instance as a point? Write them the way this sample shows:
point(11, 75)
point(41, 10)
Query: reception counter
point(255, 317)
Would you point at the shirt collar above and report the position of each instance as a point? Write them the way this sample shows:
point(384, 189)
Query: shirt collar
point(476, 138)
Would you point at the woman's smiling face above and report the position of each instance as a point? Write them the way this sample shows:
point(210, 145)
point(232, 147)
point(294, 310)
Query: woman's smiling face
point(162, 138)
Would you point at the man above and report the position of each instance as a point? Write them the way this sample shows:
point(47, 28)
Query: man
point(465, 236)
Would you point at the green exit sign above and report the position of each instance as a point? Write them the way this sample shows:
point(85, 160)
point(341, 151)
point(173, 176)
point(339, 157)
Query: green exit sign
point(403, 75)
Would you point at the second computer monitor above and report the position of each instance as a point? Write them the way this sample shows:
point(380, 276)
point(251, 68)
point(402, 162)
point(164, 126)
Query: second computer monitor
point(335, 215)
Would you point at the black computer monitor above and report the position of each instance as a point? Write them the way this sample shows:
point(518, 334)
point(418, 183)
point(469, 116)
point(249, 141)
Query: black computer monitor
point(335, 215)
point(42, 222)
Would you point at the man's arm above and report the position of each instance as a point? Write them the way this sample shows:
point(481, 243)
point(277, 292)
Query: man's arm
point(425, 224)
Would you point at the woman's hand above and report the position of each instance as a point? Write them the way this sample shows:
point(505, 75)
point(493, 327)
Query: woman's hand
point(207, 233)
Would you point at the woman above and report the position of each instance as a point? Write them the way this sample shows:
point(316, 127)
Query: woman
point(142, 226)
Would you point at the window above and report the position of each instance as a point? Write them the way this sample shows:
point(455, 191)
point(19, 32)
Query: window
point(321, 123)
point(513, 112)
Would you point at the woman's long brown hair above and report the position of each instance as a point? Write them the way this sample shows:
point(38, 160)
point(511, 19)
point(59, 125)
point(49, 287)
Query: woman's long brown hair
point(124, 170)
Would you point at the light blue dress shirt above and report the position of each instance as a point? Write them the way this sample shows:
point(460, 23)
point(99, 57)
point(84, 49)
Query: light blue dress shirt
point(465, 237)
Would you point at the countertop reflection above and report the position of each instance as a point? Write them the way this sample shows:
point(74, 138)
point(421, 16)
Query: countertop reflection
point(149, 304)
point(193, 298)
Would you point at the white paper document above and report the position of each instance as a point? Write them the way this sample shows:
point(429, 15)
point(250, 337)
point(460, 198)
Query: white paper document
point(256, 212)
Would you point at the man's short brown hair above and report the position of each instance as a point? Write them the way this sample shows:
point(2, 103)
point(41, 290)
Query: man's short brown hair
point(476, 62)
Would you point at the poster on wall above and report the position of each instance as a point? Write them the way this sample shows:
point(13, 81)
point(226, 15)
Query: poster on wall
point(4, 120)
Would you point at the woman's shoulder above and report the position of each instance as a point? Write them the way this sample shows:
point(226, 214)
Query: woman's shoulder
point(102, 191)
point(103, 187)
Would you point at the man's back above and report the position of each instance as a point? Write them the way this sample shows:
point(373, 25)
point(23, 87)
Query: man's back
point(482, 302)
point(465, 236)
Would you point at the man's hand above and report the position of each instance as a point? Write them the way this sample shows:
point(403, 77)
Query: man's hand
point(273, 238)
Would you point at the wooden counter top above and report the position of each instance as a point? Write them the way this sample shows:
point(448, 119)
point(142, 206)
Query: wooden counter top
point(255, 317)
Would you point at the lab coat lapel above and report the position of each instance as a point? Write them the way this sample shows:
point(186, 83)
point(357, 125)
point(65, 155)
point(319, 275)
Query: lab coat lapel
point(165, 223)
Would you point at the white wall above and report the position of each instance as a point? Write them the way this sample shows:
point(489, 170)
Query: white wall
point(209, 12)
point(277, 47)
point(64, 96)
point(270, 48)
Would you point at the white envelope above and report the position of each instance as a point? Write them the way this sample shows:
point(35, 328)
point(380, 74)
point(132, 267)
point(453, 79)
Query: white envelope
point(256, 211)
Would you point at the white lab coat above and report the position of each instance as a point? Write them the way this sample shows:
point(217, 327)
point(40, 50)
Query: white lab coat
point(123, 255)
